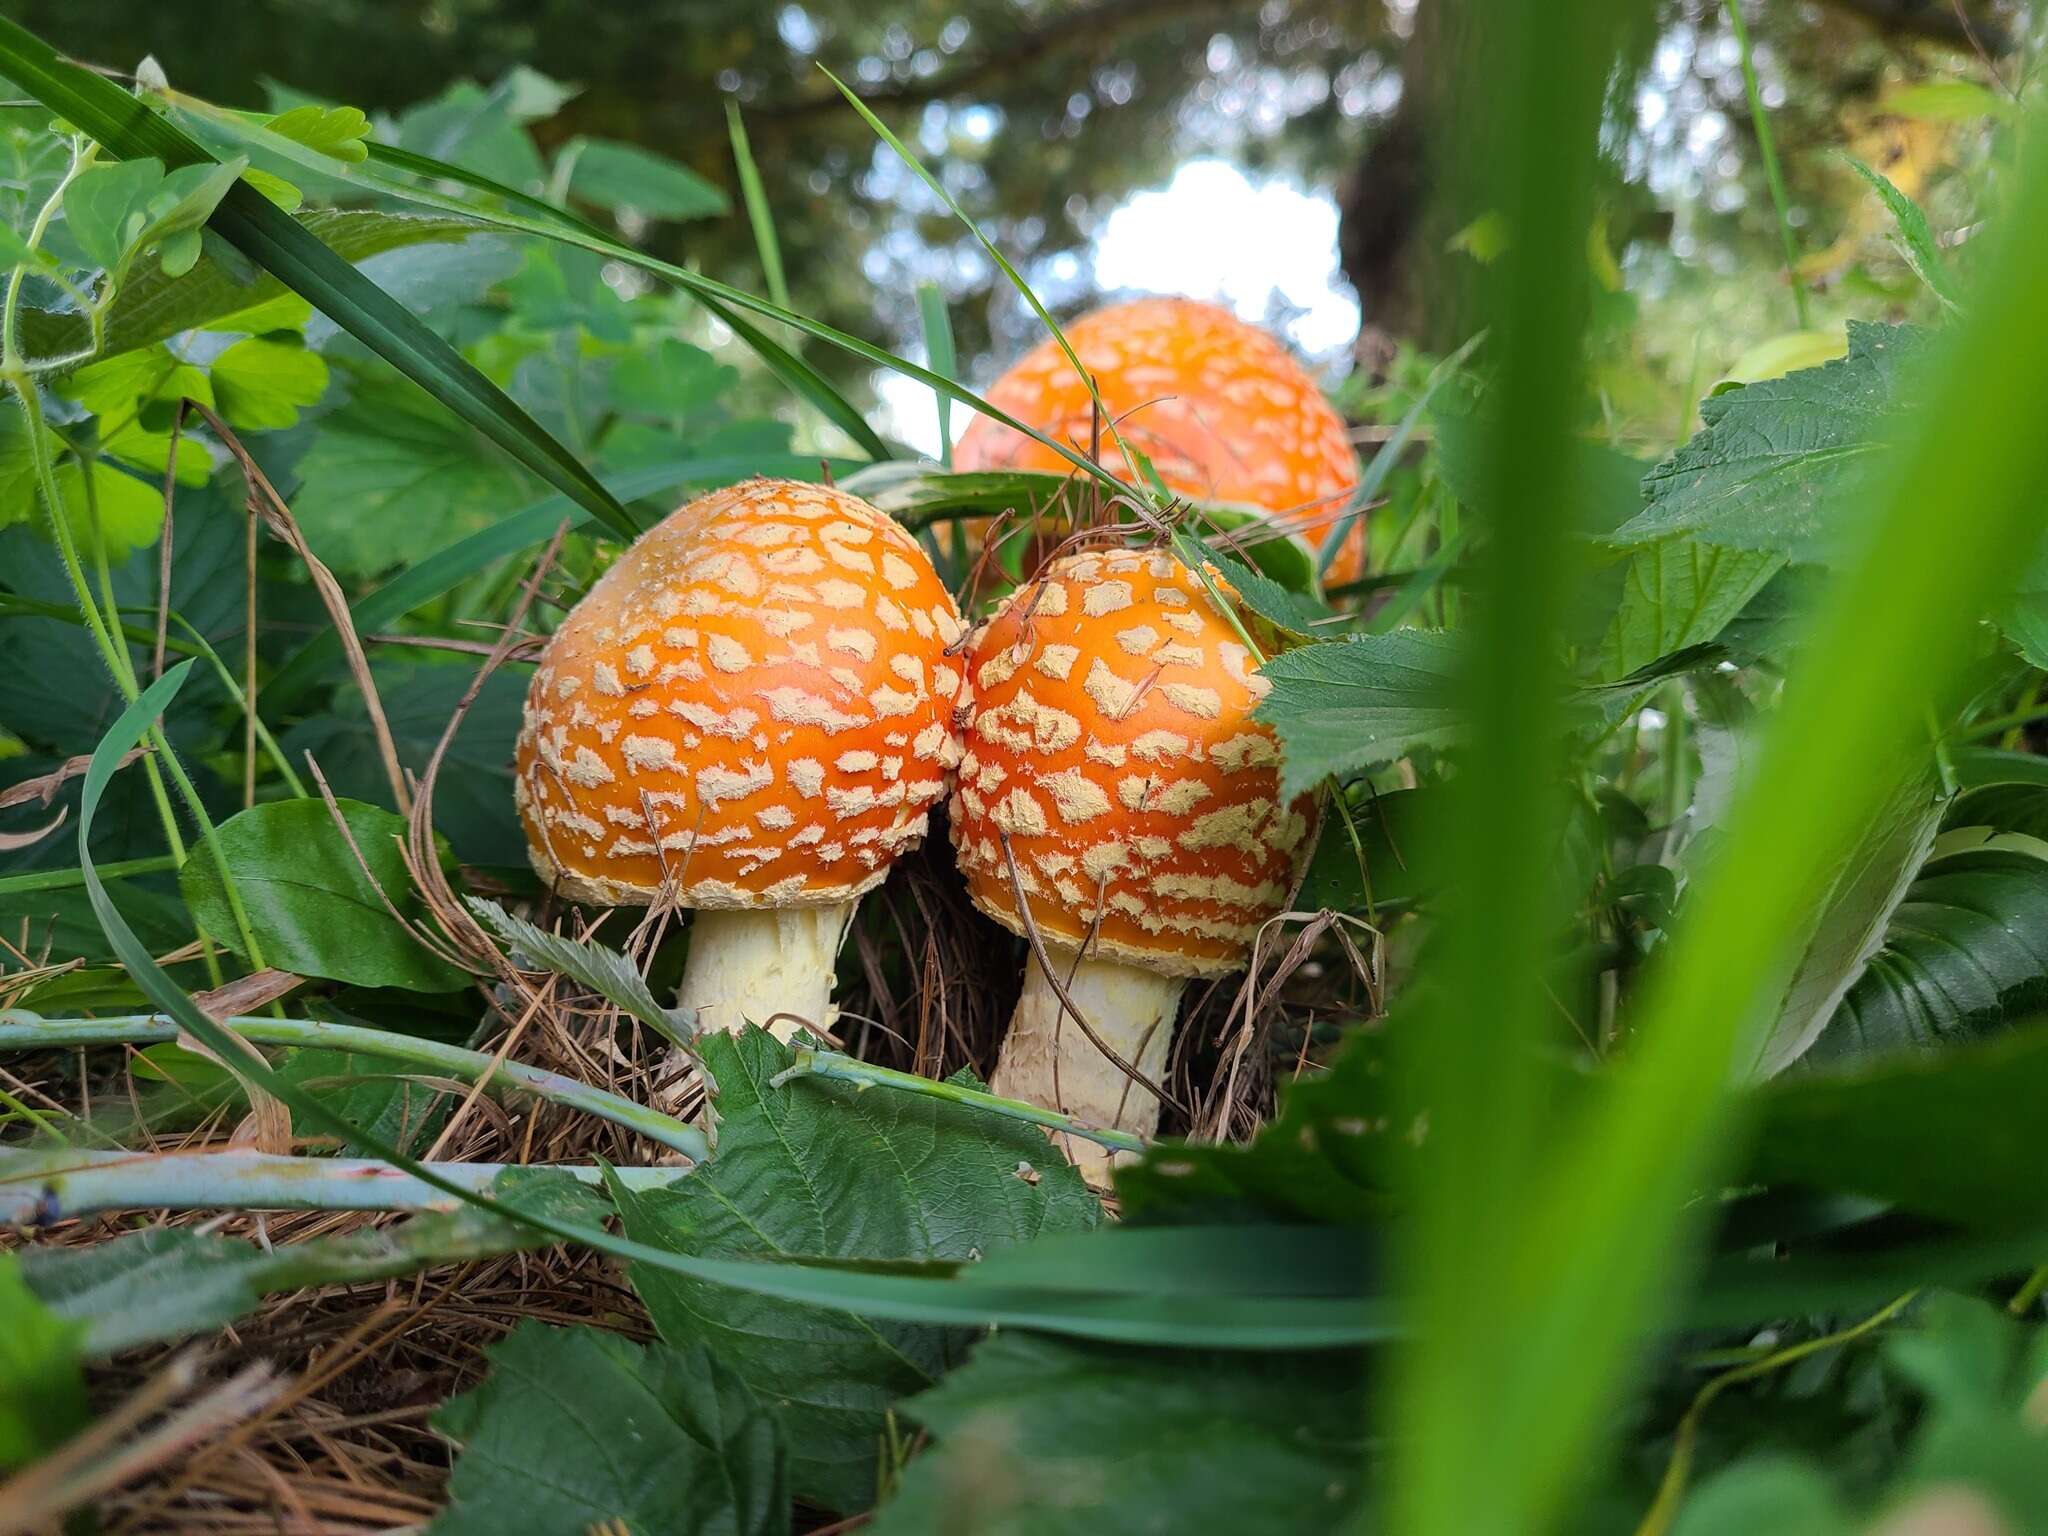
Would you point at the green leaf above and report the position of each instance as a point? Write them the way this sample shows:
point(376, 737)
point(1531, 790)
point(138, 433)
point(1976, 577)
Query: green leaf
point(603, 970)
point(1391, 834)
point(1766, 1496)
point(1965, 954)
point(104, 207)
point(121, 511)
point(1768, 468)
point(166, 1282)
point(390, 478)
point(1915, 241)
point(42, 1389)
point(1041, 1437)
point(624, 176)
point(1357, 703)
point(1950, 1134)
point(1845, 929)
point(336, 131)
point(1678, 594)
point(152, 305)
point(1949, 101)
point(575, 1429)
point(309, 903)
point(823, 1171)
point(1255, 589)
point(261, 385)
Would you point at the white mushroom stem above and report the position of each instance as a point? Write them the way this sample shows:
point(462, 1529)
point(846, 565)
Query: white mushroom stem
point(748, 966)
point(1048, 1058)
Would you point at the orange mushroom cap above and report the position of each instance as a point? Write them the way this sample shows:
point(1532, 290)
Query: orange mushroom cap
point(1112, 740)
point(754, 701)
point(1222, 410)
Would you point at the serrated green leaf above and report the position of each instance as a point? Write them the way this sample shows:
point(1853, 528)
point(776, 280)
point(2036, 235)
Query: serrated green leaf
point(1042, 1437)
point(1291, 611)
point(1354, 704)
point(1767, 469)
point(575, 1429)
point(616, 176)
point(1676, 595)
point(167, 1282)
point(309, 902)
point(603, 970)
point(103, 208)
point(820, 1170)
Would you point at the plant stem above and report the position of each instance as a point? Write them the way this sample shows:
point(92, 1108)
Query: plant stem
point(65, 879)
point(41, 1188)
point(21, 1031)
point(1768, 148)
point(844, 1069)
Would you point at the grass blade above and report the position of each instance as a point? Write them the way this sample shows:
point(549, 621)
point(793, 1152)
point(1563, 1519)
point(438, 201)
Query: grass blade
point(276, 242)
point(938, 346)
point(758, 212)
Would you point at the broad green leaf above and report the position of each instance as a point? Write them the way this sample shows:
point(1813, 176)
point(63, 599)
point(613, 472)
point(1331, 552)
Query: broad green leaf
point(104, 207)
point(1358, 703)
point(1765, 1497)
point(166, 1282)
point(116, 509)
point(602, 969)
point(1391, 836)
point(262, 385)
point(336, 131)
point(152, 306)
point(1965, 954)
point(473, 796)
point(1845, 929)
point(1678, 594)
point(1043, 1437)
point(42, 1389)
point(364, 1090)
point(1950, 1133)
point(1916, 240)
point(820, 1170)
point(390, 478)
point(1948, 101)
point(575, 1429)
point(624, 176)
point(309, 902)
point(1786, 353)
point(1767, 469)
point(668, 379)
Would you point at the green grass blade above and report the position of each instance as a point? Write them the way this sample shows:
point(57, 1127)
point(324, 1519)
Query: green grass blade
point(1599, 1251)
point(758, 212)
point(1459, 1393)
point(938, 346)
point(276, 242)
point(1767, 147)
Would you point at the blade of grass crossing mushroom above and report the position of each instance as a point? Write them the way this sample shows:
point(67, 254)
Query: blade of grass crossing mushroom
point(1261, 1322)
point(882, 131)
point(127, 128)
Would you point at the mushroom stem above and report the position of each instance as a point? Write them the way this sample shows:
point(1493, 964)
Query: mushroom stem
point(1048, 1058)
point(748, 966)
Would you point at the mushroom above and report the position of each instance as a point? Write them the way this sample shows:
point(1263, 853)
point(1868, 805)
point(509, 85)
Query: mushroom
point(750, 714)
point(1115, 787)
point(1219, 408)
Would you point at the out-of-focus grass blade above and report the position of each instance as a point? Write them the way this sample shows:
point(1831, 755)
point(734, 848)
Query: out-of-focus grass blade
point(1598, 1248)
point(278, 244)
point(758, 212)
point(1466, 1456)
point(1389, 455)
point(803, 379)
point(1240, 1322)
point(517, 531)
point(938, 346)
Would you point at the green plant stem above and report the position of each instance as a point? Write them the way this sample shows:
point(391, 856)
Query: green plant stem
point(844, 1069)
point(65, 879)
point(22, 1031)
point(41, 1188)
point(1767, 147)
